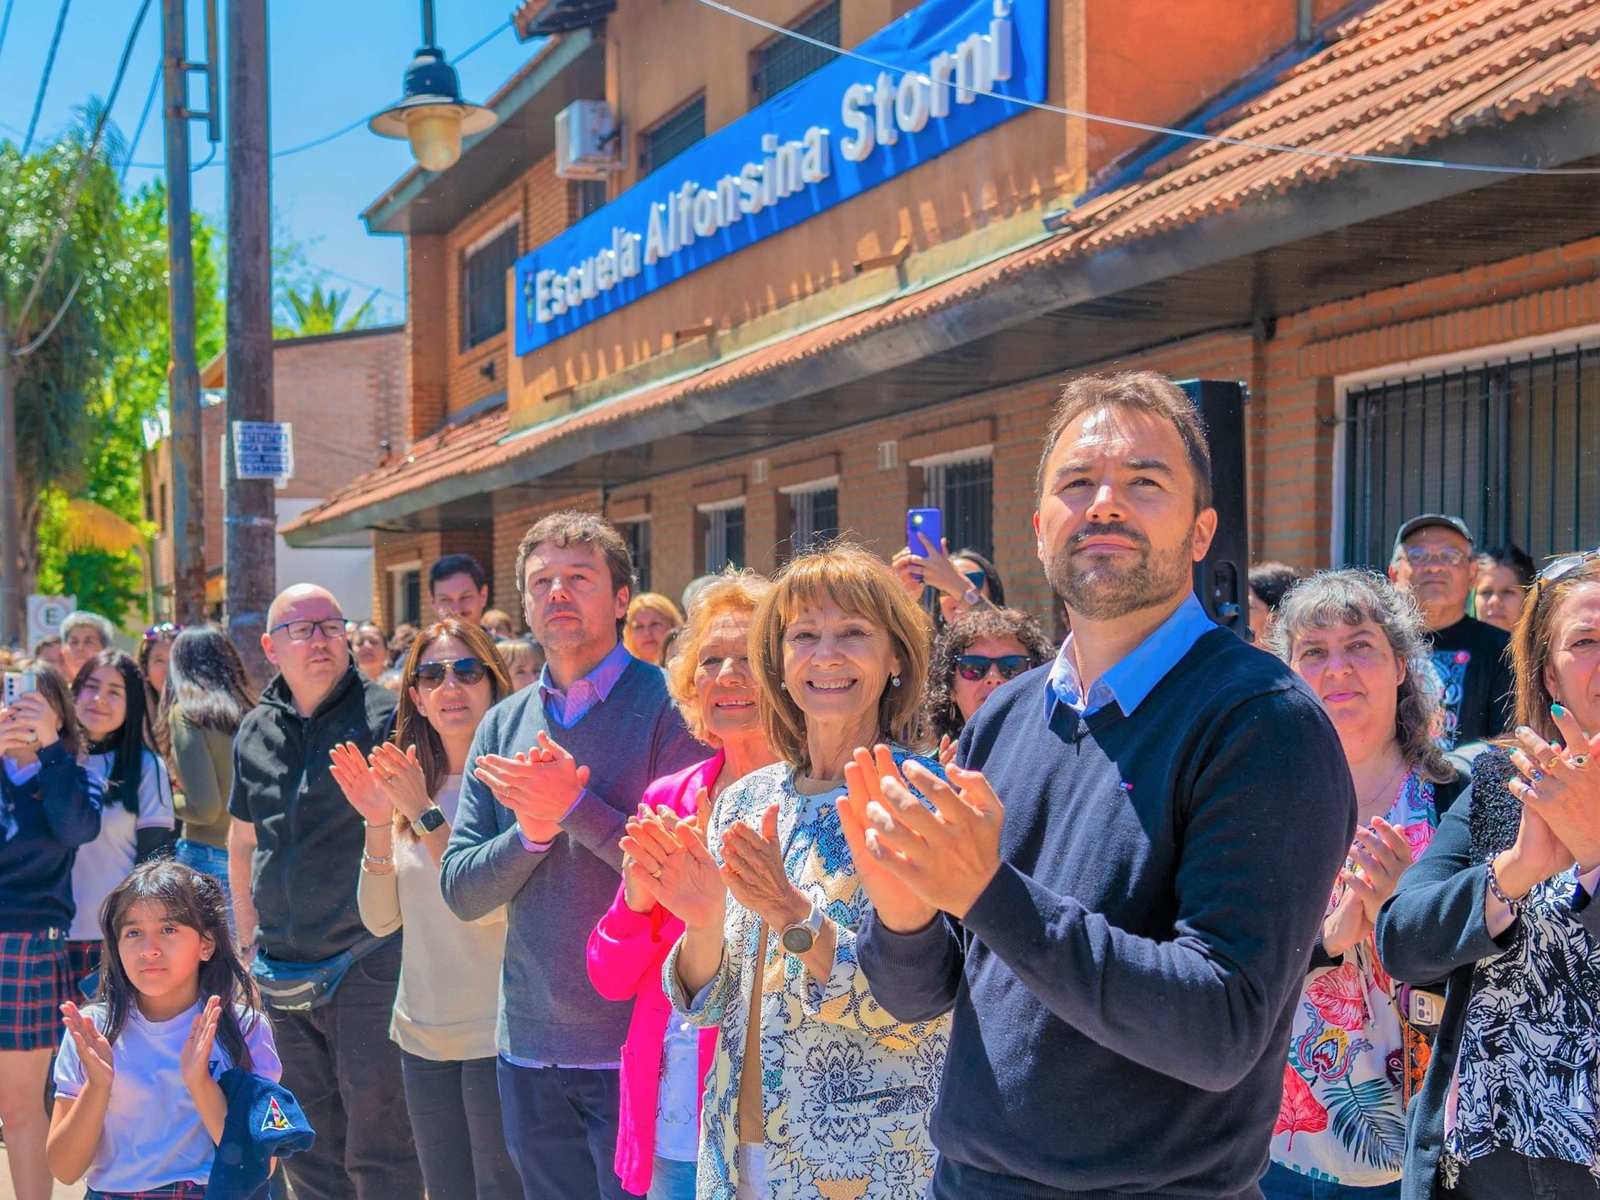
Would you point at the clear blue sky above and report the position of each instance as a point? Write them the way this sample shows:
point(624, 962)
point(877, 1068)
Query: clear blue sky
point(331, 62)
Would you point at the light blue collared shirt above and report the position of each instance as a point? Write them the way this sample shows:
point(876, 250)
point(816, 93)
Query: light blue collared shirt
point(567, 708)
point(1135, 677)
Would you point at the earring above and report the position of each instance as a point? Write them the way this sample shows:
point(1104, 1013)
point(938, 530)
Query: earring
point(894, 680)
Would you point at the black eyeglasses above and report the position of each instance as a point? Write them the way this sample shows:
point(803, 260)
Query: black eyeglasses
point(973, 667)
point(301, 631)
point(467, 671)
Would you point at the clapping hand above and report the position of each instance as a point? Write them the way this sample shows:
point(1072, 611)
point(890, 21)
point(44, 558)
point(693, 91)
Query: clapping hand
point(897, 904)
point(753, 870)
point(1383, 854)
point(667, 863)
point(539, 785)
point(94, 1052)
point(399, 775)
point(360, 785)
point(1562, 788)
point(194, 1060)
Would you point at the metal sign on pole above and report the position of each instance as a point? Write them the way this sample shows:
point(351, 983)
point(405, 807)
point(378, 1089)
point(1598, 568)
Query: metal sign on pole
point(263, 450)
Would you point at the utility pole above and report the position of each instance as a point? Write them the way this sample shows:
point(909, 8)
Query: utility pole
point(10, 522)
point(183, 374)
point(251, 528)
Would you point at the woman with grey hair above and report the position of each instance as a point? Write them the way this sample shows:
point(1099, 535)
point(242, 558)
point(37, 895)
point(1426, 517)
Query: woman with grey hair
point(1356, 1049)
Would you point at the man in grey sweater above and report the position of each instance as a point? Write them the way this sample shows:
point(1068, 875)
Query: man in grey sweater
point(554, 773)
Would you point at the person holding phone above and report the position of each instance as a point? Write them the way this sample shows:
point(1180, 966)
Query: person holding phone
point(964, 581)
point(49, 806)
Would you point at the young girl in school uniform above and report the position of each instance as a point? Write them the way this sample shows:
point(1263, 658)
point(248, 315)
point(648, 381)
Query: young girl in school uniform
point(138, 1108)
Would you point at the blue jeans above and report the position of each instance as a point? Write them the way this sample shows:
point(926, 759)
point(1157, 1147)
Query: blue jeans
point(208, 860)
point(561, 1130)
point(1280, 1183)
point(671, 1180)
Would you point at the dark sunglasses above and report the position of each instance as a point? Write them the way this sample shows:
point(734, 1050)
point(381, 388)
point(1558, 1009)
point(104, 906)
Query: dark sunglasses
point(976, 578)
point(466, 670)
point(165, 631)
point(974, 667)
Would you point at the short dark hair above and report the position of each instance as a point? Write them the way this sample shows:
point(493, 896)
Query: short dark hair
point(1141, 391)
point(456, 564)
point(939, 705)
point(1514, 558)
point(1270, 580)
point(585, 528)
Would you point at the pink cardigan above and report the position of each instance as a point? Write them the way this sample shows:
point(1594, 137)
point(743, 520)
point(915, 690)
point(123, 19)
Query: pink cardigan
point(626, 951)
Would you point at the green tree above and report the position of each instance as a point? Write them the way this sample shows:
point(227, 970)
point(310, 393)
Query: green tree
point(62, 266)
point(313, 310)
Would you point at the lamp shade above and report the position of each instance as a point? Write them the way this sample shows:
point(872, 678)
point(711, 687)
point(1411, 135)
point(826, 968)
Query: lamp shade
point(431, 115)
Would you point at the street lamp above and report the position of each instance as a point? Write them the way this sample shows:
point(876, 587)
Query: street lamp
point(431, 113)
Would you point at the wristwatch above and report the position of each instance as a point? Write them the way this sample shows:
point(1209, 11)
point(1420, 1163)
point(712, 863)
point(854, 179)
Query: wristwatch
point(971, 597)
point(797, 939)
point(431, 818)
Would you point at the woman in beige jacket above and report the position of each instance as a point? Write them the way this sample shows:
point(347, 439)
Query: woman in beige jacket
point(445, 1008)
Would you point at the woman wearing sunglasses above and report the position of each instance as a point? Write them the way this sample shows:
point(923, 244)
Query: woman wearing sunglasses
point(1502, 904)
point(444, 1010)
point(973, 656)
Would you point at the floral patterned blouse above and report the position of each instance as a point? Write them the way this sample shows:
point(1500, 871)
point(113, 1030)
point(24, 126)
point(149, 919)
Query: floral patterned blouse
point(846, 1089)
point(1342, 1117)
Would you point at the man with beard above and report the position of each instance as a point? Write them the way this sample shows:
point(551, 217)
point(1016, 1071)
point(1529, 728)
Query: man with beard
point(1118, 891)
point(554, 773)
point(1433, 561)
point(293, 848)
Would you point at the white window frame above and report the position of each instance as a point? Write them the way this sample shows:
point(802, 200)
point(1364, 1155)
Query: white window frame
point(970, 454)
point(710, 509)
point(397, 574)
point(809, 488)
point(1584, 337)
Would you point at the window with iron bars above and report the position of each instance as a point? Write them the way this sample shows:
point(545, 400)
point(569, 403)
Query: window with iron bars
point(1510, 446)
point(587, 195)
point(786, 60)
point(483, 289)
point(813, 518)
point(674, 135)
point(638, 535)
point(724, 538)
point(964, 490)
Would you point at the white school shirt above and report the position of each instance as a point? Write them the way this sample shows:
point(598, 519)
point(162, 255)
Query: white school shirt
point(153, 1134)
point(105, 862)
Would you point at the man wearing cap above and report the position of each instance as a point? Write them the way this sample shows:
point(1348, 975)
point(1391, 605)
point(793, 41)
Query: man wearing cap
point(1433, 562)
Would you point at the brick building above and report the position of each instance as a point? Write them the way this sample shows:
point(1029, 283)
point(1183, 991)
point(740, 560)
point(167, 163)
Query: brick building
point(1414, 334)
point(343, 394)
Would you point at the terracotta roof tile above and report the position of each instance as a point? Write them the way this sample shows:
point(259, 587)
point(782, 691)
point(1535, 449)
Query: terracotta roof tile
point(1401, 75)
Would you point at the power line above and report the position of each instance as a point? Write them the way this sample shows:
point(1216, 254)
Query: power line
point(144, 115)
point(1383, 160)
point(44, 80)
point(5, 23)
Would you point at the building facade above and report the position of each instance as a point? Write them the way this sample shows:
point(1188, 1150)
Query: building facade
point(806, 297)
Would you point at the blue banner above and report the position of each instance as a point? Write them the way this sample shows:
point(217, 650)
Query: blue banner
point(839, 132)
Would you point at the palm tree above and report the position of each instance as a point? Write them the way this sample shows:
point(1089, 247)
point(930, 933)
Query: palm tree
point(314, 311)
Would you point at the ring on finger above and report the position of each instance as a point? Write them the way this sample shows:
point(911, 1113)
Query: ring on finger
point(1535, 775)
point(1578, 761)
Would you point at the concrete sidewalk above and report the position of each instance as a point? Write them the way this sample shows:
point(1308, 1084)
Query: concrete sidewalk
point(62, 1192)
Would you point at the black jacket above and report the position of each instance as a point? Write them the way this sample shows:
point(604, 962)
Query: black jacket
point(1433, 926)
point(308, 838)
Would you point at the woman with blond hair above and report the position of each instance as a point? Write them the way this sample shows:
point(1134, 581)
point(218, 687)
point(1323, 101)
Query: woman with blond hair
point(651, 617)
point(665, 1060)
point(815, 1089)
point(445, 1007)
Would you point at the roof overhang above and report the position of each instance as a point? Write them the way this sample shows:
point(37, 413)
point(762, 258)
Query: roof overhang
point(568, 68)
point(1361, 230)
point(539, 18)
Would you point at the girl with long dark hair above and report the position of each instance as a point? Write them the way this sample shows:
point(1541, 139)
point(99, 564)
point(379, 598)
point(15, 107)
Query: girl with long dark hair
point(136, 817)
point(138, 1107)
point(207, 695)
point(445, 1007)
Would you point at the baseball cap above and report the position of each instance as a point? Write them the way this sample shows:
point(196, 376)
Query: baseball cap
point(1428, 521)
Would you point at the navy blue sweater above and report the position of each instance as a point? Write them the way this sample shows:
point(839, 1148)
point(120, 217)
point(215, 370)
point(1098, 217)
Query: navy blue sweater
point(1122, 990)
point(43, 821)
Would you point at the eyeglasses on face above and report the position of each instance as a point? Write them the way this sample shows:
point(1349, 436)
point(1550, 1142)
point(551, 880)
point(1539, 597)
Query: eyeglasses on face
point(974, 667)
point(467, 671)
point(163, 632)
point(1444, 556)
point(976, 578)
point(301, 631)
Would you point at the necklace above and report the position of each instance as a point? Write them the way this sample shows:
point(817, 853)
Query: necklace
point(1384, 797)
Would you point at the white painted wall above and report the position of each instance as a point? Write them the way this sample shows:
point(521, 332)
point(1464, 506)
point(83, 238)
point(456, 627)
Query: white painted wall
point(345, 571)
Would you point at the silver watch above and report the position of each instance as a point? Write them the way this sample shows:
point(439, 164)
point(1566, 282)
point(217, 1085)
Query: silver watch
point(797, 939)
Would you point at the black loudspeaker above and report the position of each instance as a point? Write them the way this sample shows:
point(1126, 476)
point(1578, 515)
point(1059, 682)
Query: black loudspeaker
point(1222, 578)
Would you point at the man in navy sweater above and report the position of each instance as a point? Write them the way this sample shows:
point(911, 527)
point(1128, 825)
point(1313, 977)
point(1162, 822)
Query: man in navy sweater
point(1118, 893)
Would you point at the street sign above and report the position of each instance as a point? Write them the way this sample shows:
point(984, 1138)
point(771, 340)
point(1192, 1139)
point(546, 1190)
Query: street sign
point(45, 614)
point(263, 450)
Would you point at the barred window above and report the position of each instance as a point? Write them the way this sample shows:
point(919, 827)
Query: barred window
point(674, 135)
point(408, 596)
point(724, 537)
point(786, 60)
point(1509, 446)
point(964, 489)
point(483, 288)
point(813, 516)
point(587, 196)
point(638, 535)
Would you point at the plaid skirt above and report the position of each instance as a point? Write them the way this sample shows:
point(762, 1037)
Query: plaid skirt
point(184, 1189)
point(83, 960)
point(33, 983)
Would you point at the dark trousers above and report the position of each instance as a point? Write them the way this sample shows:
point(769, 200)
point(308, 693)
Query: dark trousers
point(1280, 1183)
point(1505, 1174)
point(561, 1130)
point(455, 1118)
point(340, 1064)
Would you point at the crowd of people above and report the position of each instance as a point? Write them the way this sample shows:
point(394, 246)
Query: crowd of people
point(847, 882)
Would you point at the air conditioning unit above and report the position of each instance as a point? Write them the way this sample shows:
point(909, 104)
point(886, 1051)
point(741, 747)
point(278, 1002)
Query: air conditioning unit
point(586, 142)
